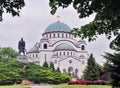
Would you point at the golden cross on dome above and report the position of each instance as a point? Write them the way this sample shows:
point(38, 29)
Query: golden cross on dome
point(58, 18)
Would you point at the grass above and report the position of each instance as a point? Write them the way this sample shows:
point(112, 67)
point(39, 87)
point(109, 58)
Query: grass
point(14, 87)
point(82, 86)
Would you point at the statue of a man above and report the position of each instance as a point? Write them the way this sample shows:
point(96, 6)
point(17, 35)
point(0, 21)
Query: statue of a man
point(21, 46)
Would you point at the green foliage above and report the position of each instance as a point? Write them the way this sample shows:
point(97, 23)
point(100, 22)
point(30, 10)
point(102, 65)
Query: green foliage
point(11, 6)
point(105, 75)
point(52, 66)
point(8, 52)
point(10, 71)
point(58, 69)
point(44, 75)
point(106, 21)
point(113, 67)
point(92, 70)
point(45, 64)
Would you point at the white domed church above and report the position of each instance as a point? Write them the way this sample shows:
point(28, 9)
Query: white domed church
point(59, 46)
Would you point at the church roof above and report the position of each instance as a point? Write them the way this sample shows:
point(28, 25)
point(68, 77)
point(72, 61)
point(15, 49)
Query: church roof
point(58, 26)
point(34, 50)
point(64, 46)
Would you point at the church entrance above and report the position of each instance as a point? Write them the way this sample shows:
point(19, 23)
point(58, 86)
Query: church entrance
point(73, 72)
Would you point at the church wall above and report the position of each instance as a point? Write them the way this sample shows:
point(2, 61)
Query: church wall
point(45, 55)
point(75, 64)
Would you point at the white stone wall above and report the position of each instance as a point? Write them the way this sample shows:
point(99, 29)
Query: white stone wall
point(64, 64)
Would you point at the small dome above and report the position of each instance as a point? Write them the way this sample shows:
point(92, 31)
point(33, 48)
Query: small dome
point(58, 26)
point(64, 46)
point(34, 50)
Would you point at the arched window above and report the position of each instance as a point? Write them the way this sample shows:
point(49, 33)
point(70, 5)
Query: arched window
point(71, 53)
point(82, 47)
point(76, 71)
point(57, 53)
point(64, 70)
point(60, 53)
point(54, 35)
point(68, 53)
point(50, 35)
point(63, 53)
point(36, 55)
point(66, 36)
point(62, 35)
point(70, 69)
point(45, 46)
point(58, 35)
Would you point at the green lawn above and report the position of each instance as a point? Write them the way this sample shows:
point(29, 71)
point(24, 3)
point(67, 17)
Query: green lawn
point(81, 86)
point(13, 87)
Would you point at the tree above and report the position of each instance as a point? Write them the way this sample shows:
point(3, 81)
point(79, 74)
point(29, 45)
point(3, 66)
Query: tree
point(11, 6)
point(8, 52)
point(113, 67)
point(106, 21)
point(58, 69)
point(45, 64)
point(52, 66)
point(105, 75)
point(92, 70)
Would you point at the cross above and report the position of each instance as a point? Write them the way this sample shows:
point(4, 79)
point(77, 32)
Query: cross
point(58, 18)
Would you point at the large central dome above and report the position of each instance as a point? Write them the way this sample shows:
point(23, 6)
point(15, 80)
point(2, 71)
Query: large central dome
point(58, 26)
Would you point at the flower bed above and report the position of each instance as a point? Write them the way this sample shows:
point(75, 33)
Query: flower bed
point(88, 82)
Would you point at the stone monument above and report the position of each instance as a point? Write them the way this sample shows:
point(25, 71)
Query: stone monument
point(21, 48)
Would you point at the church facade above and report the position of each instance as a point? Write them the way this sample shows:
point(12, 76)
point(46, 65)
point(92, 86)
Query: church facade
point(59, 46)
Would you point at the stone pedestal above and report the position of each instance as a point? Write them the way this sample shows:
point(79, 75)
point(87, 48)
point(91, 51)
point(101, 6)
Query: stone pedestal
point(23, 59)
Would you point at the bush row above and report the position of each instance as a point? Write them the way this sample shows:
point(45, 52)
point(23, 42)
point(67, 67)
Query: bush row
point(12, 72)
point(88, 82)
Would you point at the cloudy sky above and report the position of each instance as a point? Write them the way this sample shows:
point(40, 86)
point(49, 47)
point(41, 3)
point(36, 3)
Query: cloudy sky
point(33, 20)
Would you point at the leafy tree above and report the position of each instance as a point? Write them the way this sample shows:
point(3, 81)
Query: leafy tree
point(7, 52)
point(52, 66)
point(45, 64)
point(113, 67)
point(11, 6)
point(92, 70)
point(106, 21)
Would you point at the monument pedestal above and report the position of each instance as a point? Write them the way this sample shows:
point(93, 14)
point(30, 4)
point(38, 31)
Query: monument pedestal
point(23, 58)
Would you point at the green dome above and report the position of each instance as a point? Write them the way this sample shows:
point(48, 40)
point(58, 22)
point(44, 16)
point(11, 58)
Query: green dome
point(64, 46)
point(58, 26)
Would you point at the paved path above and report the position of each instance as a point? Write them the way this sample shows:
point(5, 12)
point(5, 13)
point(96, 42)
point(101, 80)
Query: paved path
point(41, 86)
